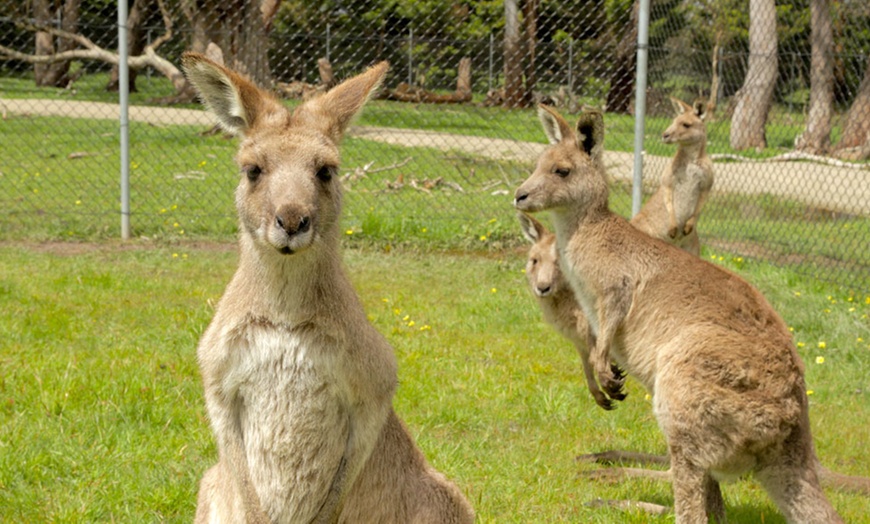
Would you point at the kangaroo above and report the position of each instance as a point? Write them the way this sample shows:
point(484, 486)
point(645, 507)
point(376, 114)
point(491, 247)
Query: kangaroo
point(298, 384)
point(556, 299)
point(672, 212)
point(726, 380)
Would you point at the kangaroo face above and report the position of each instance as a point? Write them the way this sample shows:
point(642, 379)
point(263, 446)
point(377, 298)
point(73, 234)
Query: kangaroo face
point(688, 126)
point(542, 264)
point(288, 196)
point(569, 172)
point(542, 268)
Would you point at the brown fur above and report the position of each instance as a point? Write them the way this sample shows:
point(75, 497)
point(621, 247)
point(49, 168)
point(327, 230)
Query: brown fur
point(672, 212)
point(556, 299)
point(298, 384)
point(727, 383)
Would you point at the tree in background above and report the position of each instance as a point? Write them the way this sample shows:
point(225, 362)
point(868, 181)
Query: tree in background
point(139, 13)
point(622, 18)
point(817, 136)
point(754, 99)
point(855, 142)
point(46, 12)
point(240, 28)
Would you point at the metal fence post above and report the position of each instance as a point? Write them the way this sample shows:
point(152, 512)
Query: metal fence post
point(640, 104)
point(123, 92)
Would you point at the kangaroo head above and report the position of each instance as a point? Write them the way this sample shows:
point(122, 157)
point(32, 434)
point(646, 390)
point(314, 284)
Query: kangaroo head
point(569, 173)
point(542, 265)
point(688, 127)
point(288, 197)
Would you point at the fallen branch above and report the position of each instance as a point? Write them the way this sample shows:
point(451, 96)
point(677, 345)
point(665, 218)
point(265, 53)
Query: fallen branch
point(408, 93)
point(91, 51)
point(364, 171)
point(791, 156)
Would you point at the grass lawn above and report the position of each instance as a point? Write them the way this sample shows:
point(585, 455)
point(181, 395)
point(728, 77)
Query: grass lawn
point(102, 417)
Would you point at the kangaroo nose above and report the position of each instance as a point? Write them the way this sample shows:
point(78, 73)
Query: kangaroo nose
point(544, 291)
point(292, 224)
point(520, 197)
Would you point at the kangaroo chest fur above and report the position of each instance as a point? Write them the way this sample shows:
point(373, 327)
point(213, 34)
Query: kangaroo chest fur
point(689, 182)
point(292, 411)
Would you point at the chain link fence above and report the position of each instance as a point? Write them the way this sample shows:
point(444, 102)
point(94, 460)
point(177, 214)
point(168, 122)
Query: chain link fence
point(435, 158)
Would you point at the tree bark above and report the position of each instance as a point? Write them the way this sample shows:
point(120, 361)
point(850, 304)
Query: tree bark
point(463, 80)
point(621, 92)
point(140, 11)
point(855, 143)
point(513, 65)
point(239, 28)
point(816, 138)
point(530, 20)
point(754, 99)
point(55, 74)
point(327, 77)
point(43, 40)
point(716, 81)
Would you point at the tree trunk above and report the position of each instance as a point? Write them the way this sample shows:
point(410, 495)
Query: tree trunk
point(54, 74)
point(513, 65)
point(463, 79)
point(530, 19)
point(716, 81)
point(327, 77)
point(44, 41)
point(621, 92)
point(816, 138)
point(855, 143)
point(239, 28)
point(756, 96)
point(139, 12)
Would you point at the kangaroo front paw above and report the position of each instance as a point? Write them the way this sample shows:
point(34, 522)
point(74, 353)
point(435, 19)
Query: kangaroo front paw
point(672, 232)
point(612, 385)
point(605, 403)
point(688, 228)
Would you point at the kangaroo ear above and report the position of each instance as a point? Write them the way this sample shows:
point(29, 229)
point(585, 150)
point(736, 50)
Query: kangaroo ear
point(556, 128)
point(333, 111)
point(235, 100)
point(590, 134)
point(532, 229)
point(679, 106)
point(699, 108)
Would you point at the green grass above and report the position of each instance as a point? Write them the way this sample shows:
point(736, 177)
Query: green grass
point(182, 186)
point(102, 417)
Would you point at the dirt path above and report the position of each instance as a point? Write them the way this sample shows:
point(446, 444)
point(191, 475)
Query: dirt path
point(834, 188)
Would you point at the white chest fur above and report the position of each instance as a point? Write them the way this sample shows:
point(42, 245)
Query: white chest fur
point(292, 414)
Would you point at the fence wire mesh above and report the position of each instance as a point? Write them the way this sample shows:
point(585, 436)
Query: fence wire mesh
point(435, 158)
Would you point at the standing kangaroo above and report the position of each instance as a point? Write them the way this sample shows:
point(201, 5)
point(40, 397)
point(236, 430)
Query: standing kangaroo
point(684, 186)
point(298, 384)
point(726, 380)
point(556, 299)
point(672, 212)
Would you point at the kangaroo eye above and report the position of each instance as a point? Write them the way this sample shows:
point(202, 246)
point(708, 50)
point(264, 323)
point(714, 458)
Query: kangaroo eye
point(686, 125)
point(563, 171)
point(252, 172)
point(534, 261)
point(324, 174)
